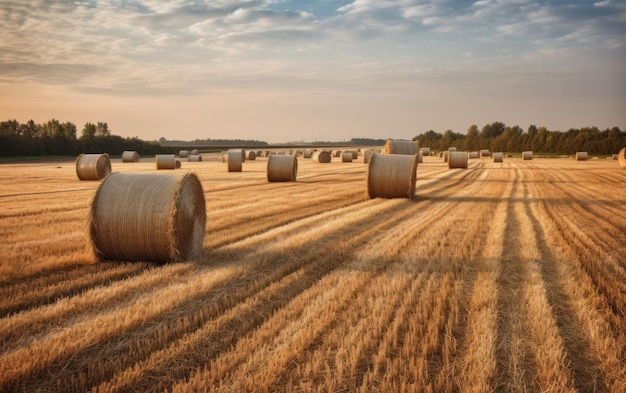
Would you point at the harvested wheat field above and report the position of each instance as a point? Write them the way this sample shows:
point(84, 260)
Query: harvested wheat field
point(505, 277)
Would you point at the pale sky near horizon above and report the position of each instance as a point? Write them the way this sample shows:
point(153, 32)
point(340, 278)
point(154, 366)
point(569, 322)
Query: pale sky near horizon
point(291, 70)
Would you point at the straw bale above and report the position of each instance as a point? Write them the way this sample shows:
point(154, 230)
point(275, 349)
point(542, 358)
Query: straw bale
point(251, 155)
point(367, 155)
point(621, 157)
point(457, 159)
point(446, 154)
point(321, 156)
point(527, 155)
point(425, 151)
point(130, 156)
point(183, 153)
point(391, 176)
point(452, 148)
point(485, 153)
point(473, 154)
point(235, 160)
point(307, 154)
point(148, 217)
point(178, 164)
point(166, 161)
point(194, 152)
point(338, 153)
point(420, 157)
point(581, 156)
point(194, 158)
point(347, 156)
point(498, 157)
point(93, 166)
point(400, 147)
point(282, 168)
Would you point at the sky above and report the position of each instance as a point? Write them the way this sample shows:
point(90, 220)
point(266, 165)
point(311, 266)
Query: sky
point(328, 70)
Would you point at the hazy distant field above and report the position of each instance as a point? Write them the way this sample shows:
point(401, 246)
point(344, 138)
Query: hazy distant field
point(500, 277)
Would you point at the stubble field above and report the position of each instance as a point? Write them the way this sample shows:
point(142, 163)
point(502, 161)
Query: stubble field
point(501, 277)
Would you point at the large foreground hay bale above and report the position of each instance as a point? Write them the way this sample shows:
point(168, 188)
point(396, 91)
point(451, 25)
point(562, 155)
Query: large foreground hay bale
point(235, 160)
point(498, 157)
point(527, 155)
point(282, 168)
point(321, 156)
point(457, 159)
point(130, 156)
point(166, 161)
point(148, 217)
point(391, 176)
point(347, 156)
point(400, 147)
point(621, 157)
point(93, 166)
point(581, 156)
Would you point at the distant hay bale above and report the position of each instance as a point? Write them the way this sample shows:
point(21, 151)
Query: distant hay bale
point(614, 156)
point(307, 154)
point(183, 153)
point(485, 153)
point(282, 168)
point(148, 217)
point(621, 157)
point(355, 154)
point(321, 156)
point(130, 156)
point(581, 156)
point(235, 160)
point(446, 154)
point(420, 157)
point(194, 152)
point(367, 155)
point(93, 166)
point(473, 154)
point(347, 156)
point(400, 147)
point(452, 148)
point(498, 157)
point(338, 153)
point(391, 176)
point(166, 161)
point(194, 158)
point(457, 159)
point(426, 151)
point(259, 153)
point(178, 164)
point(251, 155)
point(527, 155)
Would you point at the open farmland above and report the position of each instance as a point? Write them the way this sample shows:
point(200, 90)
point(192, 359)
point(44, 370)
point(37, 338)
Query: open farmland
point(500, 277)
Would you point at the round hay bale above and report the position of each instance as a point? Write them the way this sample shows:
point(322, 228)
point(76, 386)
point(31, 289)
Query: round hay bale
point(338, 153)
point(346, 156)
point(426, 151)
point(391, 176)
point(621, 157)
point(485, 153)
point(251, 155)
point(321, 156)
point(130, 156)
point(498, 157)
point(166, 161)
point(355, 154)
point(148, 217)
point(446, 154)
point(420, 157)
point(183, 153)
point(178, 164)
point(282, 168)
point(93, 166)
point(194, 152)
point(581, 156)
point(527, 155)
point(473, 154)
point(367, 155)
point(400, 147)
point(235, 160)
point(457, 159)
point(194, 158)
point(452, 149)
point(307, 154)
point(259, 153)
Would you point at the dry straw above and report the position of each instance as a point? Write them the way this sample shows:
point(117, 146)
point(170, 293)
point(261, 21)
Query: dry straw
point(527, 155)
point(282, 168)
point(367, 155)
point(183, 153)
point(338, 153)
point(194, 158)
point(391, 176)
point(621, 157)
point(426, 151)
point(93, 166)
point(498, 157)
point(251, 155)
point(194, 152)
point(307, 154)
point(400, 147)
point(347, 156)
point(148, 217)
point(485, 153)
point(235, 160)
point(321, 156)
point(166, 161)
point(420, 157)
point(178, 164)
point(457, 159)
point(130, 156)
point(474, 154)
point(581, 156)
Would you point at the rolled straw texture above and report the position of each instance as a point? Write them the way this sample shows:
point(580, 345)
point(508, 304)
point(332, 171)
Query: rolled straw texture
point(235, 160)
point(93, 166)
point(391, 176)
point(446, 154)
point(178, 164)
point(282, 168)
point(498, 157)
point(321, 156)
point(457, 159)
point(166, 161)
point(400, 147)
point(130, 156)
point(183, 153)
point(420, 157)
point(581, 156)
point(621, 157)
point(474, 154)
point(251, 155)
point(194, 152)
point(527, 155)
point(347, 156)
point(307, 154)
point(148, 217)
point(367, 155)
point(484, 153)
point(194, 158)
point(426, 151)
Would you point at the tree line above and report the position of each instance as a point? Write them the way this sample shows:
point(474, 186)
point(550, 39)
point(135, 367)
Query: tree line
point(497, 136)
